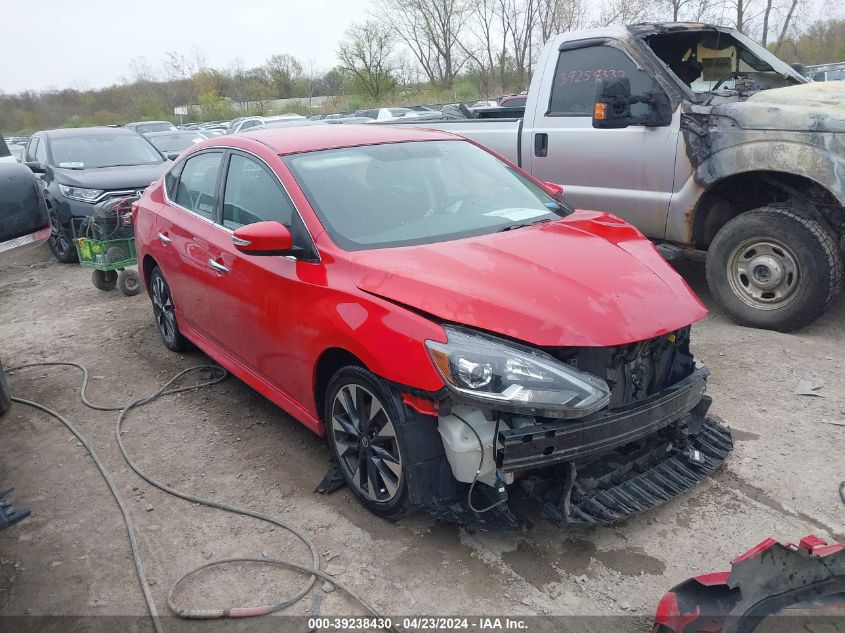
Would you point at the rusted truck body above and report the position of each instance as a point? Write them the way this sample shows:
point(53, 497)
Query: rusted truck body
point(711, 144)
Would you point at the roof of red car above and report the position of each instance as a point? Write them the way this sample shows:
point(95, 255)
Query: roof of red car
point(309, 138)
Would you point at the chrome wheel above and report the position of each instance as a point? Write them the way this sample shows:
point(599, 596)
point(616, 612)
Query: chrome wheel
point(763, 274)
point(163, 310)
point(366, 443)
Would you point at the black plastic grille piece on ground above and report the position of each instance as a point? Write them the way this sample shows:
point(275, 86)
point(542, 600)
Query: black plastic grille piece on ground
point(645, 483)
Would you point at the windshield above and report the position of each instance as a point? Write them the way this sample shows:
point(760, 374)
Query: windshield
point(175, 142)
point(713, 60)
point(104, 150)
point(407, 193)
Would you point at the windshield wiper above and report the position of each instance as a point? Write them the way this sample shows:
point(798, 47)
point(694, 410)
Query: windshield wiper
point(511, 227)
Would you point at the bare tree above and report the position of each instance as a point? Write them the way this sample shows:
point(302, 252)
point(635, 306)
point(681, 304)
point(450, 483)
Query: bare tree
point(430, 28)
point(367, 55)
point(624, 11)
point(558, 16)
point(487, 46)
point(518, 17)
point(283, 71)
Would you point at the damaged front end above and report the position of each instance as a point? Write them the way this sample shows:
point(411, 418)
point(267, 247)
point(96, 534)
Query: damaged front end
point(595, 434)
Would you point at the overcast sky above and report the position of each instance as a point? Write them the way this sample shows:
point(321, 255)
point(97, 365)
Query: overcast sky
point(90, 43)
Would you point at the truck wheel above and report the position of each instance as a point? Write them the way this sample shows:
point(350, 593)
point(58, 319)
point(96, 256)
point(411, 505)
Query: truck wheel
point(60, 241)
point(770, 268)
point(5, 394)
point(104, 280)
point(362, 423)
point(164, 313)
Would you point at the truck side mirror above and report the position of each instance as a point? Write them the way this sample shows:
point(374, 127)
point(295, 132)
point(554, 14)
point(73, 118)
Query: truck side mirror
point(613, 103)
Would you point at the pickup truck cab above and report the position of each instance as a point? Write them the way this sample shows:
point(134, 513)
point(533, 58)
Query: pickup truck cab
point(704, 141)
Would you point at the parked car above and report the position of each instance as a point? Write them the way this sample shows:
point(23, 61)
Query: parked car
point(171, 144)
point(513, 101)
point(247, 123)
point(5, 153)
point(79, 167)
point(704, 140)
point(144, 127)
point(24, 223)
point(448, 321)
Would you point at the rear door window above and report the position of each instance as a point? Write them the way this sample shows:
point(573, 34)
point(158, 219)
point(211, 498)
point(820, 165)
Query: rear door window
point(253, 194)
point(198, 183)
point(574, 89)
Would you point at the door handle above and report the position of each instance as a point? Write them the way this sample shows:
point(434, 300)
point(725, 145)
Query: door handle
point(164, 239)
point(541, 144)
point(220, 268)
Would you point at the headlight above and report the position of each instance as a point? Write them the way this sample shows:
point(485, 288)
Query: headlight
point(509, 377)
point(78, 193)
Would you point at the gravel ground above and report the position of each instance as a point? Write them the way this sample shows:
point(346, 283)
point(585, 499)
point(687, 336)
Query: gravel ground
point(71, 557)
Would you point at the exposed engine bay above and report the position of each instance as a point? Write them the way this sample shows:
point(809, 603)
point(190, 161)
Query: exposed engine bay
point(652, 441)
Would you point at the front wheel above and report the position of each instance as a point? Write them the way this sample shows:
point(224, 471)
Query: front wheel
point(60, 241)
point(362, 423)
point(772, 269)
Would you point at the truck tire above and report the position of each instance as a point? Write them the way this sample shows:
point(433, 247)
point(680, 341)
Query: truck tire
point(770, 268)
point(363, 424)
point(5, 394)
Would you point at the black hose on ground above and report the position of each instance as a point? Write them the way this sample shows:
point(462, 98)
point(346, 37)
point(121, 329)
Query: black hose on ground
point(217, 375)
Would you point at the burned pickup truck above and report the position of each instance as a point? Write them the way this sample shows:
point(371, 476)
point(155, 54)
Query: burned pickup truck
point(704, 141)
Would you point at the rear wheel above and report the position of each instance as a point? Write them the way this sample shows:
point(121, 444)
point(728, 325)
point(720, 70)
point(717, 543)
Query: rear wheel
point(60, 240)
point(362, 422)
point(164, 313)
point(770, 268)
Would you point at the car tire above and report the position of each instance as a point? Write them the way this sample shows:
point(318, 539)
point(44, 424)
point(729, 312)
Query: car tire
point(5, 394)
point(368, 447)
point(60, 241)
point(773, 269)
point(164, 313)
point(104, 280)
point(129, 282)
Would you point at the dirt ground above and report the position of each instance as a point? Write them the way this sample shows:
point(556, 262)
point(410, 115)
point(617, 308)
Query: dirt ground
point(71, 557)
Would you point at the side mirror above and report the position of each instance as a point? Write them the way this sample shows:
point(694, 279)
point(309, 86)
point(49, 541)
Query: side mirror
point(263, 238)
point(554, 190)
point(36, 167)
point(613, 101)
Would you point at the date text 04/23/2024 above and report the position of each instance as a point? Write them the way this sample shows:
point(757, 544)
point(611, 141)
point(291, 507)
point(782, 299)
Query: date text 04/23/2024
point(423, 623)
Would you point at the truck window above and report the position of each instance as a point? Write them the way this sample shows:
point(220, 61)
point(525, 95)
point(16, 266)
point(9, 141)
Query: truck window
point(574, 89)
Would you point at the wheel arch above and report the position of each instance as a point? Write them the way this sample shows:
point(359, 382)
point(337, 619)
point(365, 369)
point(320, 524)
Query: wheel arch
point(147, 265)
point(732, 195)
point(328, 364)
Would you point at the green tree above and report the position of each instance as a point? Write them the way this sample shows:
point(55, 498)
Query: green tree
point(367, 55)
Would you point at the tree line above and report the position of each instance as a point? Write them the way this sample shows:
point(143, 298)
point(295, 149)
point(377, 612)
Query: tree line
point(406, 51)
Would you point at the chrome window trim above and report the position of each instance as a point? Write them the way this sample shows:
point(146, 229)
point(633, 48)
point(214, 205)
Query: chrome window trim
point(220, 226)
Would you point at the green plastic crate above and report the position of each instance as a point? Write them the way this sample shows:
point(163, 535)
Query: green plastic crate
point(106, 254)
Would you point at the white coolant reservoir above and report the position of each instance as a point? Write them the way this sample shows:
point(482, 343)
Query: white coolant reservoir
point(462, 448)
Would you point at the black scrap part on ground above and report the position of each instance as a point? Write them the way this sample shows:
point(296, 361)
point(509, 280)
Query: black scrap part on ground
point(760, 586)
point(10, 513)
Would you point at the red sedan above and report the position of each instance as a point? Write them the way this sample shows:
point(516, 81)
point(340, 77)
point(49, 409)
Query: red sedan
point(450, 323)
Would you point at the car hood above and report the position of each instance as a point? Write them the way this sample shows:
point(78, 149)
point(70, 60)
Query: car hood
point(111, 178)
point(813, 107)
point(587, 280)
